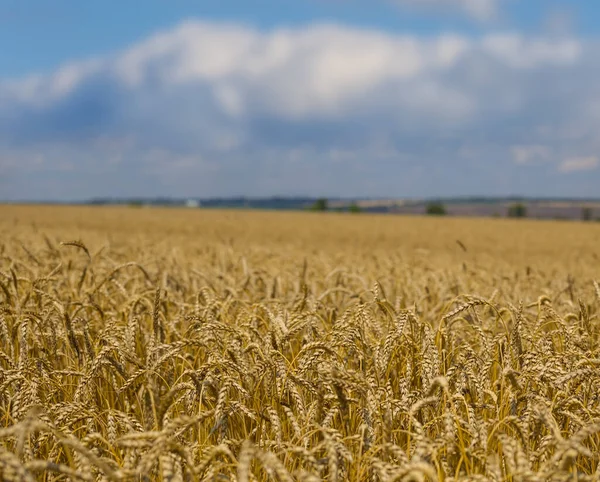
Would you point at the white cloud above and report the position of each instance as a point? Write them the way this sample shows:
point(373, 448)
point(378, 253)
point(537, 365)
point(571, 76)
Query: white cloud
point(295, 73)
point(324, 68)
point(67, 78)
point(225, 101)
point(519, 52)
point(573, 164)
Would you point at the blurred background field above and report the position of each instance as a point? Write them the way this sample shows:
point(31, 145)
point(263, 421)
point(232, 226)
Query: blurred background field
point(553, 247)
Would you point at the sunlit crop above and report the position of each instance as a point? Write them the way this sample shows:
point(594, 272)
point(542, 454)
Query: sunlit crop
point(175, 345)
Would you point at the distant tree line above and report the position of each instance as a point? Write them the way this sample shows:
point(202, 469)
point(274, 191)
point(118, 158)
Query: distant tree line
point(437, 208)
point(517, 210)
point(322, 204)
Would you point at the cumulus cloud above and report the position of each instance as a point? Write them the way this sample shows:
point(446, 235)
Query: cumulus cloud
point(221, 108)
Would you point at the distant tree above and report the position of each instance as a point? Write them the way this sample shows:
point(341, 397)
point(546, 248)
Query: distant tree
point(319, 205)
point(436, 209)
point(586, 214)
point(517, 210)
point(354, 208)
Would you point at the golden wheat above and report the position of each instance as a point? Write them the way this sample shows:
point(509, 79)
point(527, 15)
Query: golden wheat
point(177, 345)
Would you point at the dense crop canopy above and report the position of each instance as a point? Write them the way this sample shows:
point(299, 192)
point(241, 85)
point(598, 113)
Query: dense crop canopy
point(191, 345)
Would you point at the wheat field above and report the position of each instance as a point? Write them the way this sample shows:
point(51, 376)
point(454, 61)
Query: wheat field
point(184, 345)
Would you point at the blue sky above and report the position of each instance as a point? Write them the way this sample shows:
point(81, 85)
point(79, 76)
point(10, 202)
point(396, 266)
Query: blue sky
point(385, 98)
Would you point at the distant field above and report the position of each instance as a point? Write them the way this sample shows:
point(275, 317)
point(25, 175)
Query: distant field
point(182, 344)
